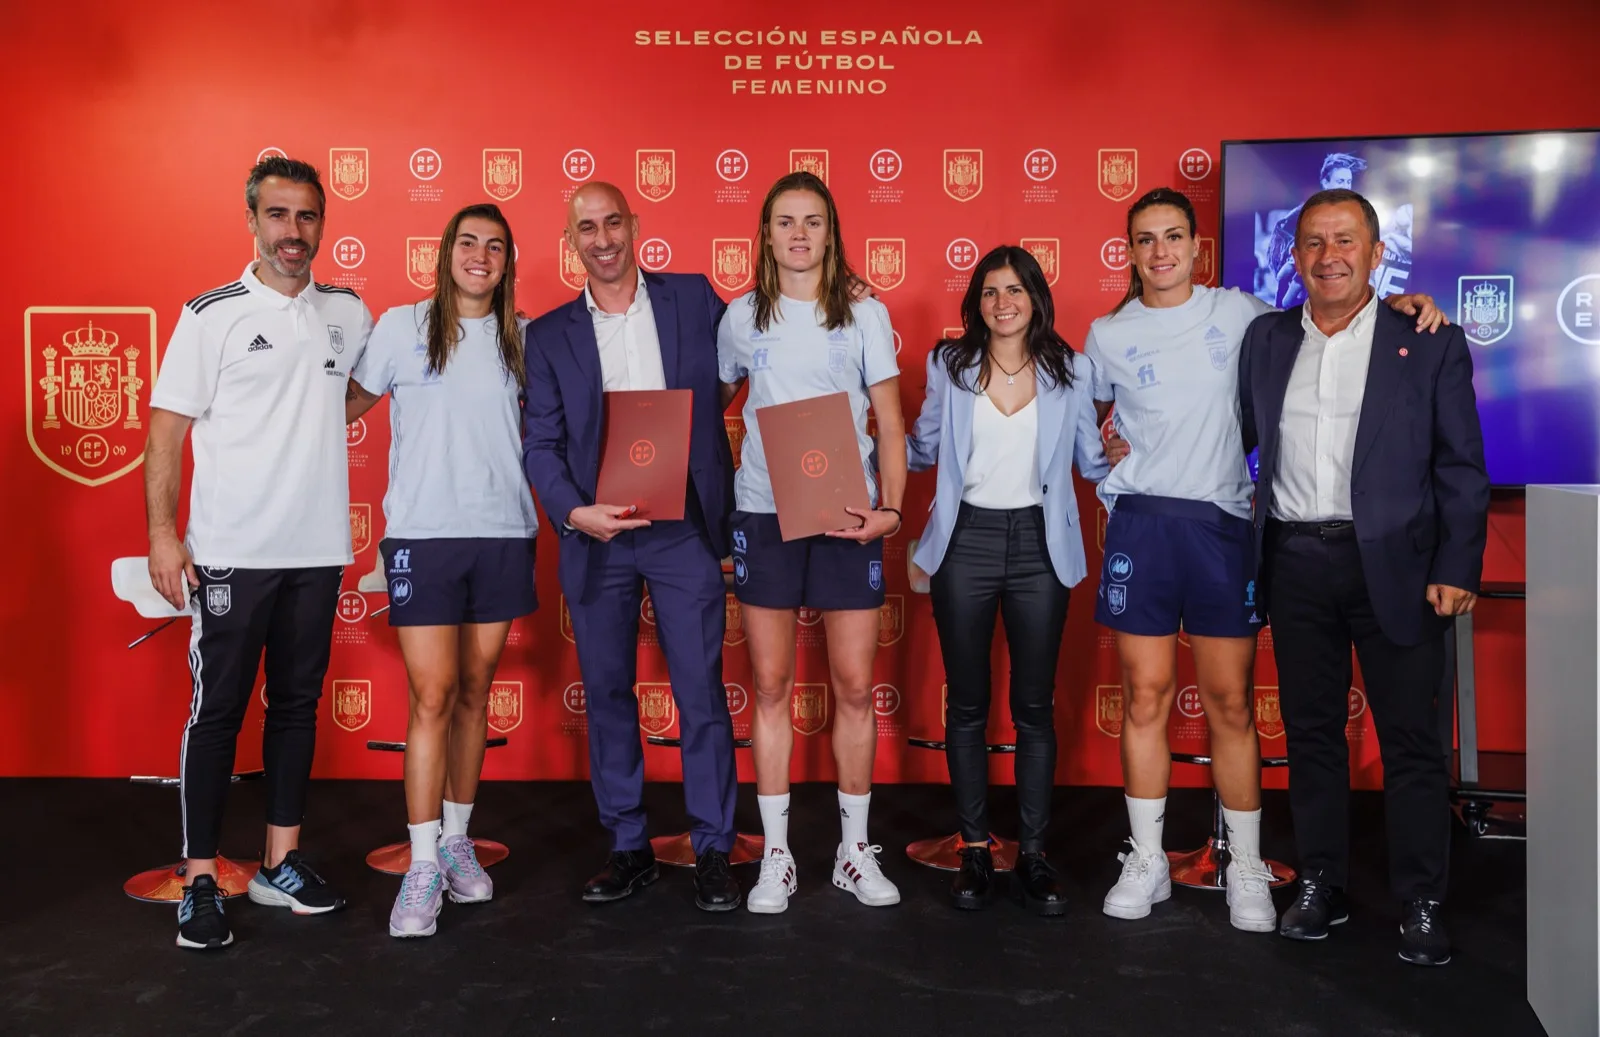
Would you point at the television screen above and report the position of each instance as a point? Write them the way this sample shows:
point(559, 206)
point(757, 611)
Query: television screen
point(1502, 230)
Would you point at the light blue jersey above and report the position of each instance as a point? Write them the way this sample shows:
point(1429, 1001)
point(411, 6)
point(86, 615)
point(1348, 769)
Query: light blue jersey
point(1174, 376)
point(455, 454)
point(796, 358)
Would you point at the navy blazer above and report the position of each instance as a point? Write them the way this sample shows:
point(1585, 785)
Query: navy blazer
point(562, 420)
point(1419, 490)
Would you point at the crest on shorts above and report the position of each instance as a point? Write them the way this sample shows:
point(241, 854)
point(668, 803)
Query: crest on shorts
point(1269, 712)
point(1047, 251)
point(657, 177)
point(1119, 172)
point(730, 263)
point(570, 266)
point(219, 599)
point(1108, 709)
point(1205, 261)
point(505, 705)
point(808, 709)
point(347, 172)
point(502, 172)
point(963, 173)
point(886, 263)
point(733, 630)
point(657, 710)
point(809, 160)
point(422, 262)
point(1117, 598)
point(875, 575)
point(352, 704)
point(891, 618)
point(360, 527)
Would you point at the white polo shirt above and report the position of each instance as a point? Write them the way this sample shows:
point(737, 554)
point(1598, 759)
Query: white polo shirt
point(264, 375)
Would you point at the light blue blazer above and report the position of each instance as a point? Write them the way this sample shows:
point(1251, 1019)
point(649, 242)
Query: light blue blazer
point(1068, 430)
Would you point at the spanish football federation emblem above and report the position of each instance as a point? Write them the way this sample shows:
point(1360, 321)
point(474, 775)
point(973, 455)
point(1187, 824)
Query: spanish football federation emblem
point(575, 698)
point(360, 527)
point(808, 709)
point(735, 428)
point(1269, 713)
point(731, 267)
point(809, 160)
point(422, 262)
point(733, 631)
point(657, 711)
point(88, 372)
point(347, 172)
point(1119, 172)
point(502, 172)
point(886, 263)
point(1483, 307)
point(1047, 251)
point(505, 705)
point(963, 173)
point(891, 619)
point(656, 173)
point(1108, 709)
point(570, 267)
point(1205, 262)
point(352, 704)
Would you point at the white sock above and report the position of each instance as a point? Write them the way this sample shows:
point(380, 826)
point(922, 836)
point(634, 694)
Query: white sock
point(455, 818)
point(1146, 817)
point(853, 817)
point(1244, 832)
point(425, 842)
point(775, 821)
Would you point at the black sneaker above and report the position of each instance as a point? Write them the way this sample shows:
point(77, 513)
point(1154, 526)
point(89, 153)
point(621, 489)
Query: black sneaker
point(1317, 906)
point(201, 926)
point(294, 884)
point(1423, 939)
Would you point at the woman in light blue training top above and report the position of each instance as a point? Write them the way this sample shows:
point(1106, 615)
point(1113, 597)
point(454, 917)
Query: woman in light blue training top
point(460, 536)
point(1009, 410)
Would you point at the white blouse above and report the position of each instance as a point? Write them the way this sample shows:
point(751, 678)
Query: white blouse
point(1002, 469)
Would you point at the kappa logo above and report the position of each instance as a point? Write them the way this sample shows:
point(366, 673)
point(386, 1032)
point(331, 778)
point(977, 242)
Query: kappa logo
point(875, 575)
point(219, 599)
point(258, 345)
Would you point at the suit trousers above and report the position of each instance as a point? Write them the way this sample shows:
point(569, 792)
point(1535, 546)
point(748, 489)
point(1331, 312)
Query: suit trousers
point(997, 561)
point(1318, 608)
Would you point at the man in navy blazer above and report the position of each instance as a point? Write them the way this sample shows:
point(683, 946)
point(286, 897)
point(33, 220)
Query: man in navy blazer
point(634, 331)
point(1371, 513)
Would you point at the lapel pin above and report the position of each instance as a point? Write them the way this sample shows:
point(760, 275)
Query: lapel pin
point(1404, 351)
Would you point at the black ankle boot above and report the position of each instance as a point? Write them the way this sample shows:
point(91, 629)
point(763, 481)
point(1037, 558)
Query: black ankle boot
point(1038, 886)
point(974, 882)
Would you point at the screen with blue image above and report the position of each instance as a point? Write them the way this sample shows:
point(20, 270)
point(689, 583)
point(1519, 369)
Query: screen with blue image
point(1502, 230)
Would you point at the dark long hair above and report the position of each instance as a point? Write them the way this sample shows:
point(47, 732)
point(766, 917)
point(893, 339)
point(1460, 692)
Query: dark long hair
point(444, 315)
point(966, 359)
point(1160, 196)
point(833, 298)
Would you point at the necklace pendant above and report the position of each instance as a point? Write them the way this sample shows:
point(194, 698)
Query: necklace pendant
point(1011, 380)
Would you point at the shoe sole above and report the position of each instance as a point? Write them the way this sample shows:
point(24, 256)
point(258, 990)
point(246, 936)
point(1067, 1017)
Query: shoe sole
point(849, 887)
point(1043, 908)
point(1424, 964)
point(639, 883)
point(732, 905)
point(1162, 894)
point(209, 945)
point(972, 903)
point(771, 909)
point(1304, 937)
point(1253, 925)
point(424, 932)
point(457, 899)
point(276, 898)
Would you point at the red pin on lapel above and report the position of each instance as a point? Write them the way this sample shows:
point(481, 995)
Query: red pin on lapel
point(1404, 351)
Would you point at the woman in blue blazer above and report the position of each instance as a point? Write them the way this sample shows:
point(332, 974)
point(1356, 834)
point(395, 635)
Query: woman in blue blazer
point(1009, 409)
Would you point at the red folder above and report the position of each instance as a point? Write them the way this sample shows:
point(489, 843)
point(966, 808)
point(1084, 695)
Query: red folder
point(644, 452)
point(815, 464)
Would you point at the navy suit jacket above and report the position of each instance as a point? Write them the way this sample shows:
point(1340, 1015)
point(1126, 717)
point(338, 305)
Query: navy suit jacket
point(1419, 491)
point(562, 419)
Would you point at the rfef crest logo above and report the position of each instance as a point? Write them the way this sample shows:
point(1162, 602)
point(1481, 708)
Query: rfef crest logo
point(885, 700)
point(1269, 712)
point(657, 710)
point(808, 708)
point(738, 698)
point(349, 252)
point(655, 254)
point(1195, 164)
point(655, 173)
point(1205, 261)
point(809, 160)
point(963, 173)
point(1108, 709)
point(1189, 703)
point(733, 627)
point(575, 698)
point(271, 152)
point(961, 254)
point(425, 164)
point(886, 263)
point(88, 371)
point(1356, 703)
point(347, 172)
point(502, 172)
point(577, 164)
point(360, 527)
point(732, 165)
point(352, 704)
point(1114, 253)
point(885, 165)
point(891, 619)
point(730, 263)
point(422, 262)
point(1119, 172)
point(505, 705)
point(1483, 307)
point(1039, 165)
point(570, 266)
point(1047, 251)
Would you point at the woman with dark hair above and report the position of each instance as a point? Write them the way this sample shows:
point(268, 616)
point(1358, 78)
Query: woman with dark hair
point(460, 536)
point(1179, 550)
point(1008, 411)
point(800, 334)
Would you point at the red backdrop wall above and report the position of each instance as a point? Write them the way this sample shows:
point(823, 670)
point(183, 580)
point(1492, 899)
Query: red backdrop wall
point(943, 128)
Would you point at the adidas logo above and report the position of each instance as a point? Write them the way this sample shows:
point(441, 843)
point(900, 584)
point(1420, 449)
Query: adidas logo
point(1216, 334)
point(258, 345)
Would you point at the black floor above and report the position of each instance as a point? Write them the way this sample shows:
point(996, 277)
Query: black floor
point(78, 957)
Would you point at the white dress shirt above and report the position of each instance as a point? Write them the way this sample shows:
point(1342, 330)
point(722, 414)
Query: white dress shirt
point(1321, 411)
point(630, 349)
point(1002, 469)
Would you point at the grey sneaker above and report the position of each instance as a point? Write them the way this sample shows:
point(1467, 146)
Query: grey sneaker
point(417, 905)
point(469, 883)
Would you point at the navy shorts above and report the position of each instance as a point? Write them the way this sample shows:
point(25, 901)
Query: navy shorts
point(1173, 563)
point(450, 581)
point(818, 572)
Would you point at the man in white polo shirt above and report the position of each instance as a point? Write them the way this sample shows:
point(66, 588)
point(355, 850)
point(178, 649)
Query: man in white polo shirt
point(259, 368)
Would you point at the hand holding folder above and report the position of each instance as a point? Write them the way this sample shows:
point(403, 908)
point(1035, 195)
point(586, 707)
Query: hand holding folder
point(644, 452)
point(815, 465)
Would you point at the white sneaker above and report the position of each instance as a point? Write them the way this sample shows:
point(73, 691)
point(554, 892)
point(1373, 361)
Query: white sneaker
point(1250, 896)
point(1145, 880)
point(855, 870)
point(775, 886)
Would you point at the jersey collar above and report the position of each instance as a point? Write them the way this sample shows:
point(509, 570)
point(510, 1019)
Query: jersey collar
point(271, 296)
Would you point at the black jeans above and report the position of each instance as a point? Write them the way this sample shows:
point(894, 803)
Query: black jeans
point(998, 561)
point(1319, 608)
